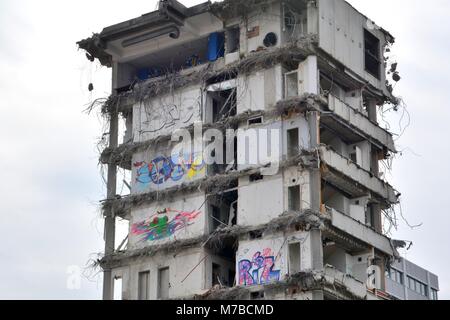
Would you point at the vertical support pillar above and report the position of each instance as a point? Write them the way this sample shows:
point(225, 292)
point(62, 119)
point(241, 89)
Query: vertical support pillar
point(316, 191)
point(377, 218)
point(110, 219)
point(315, 177)
point(372, 110)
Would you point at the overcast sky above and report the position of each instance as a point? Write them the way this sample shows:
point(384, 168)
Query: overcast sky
point(51, 183)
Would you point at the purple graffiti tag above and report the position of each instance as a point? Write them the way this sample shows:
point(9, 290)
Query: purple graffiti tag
point(260, 270)
point(245, 278)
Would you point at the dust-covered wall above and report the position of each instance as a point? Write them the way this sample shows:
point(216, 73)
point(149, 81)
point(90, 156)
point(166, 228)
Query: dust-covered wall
point(186, 274)
point(164, 114)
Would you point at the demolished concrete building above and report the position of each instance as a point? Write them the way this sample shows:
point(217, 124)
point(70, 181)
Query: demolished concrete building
point(313, 69)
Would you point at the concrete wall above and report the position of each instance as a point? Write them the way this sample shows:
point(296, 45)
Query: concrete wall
point(270, 204)
point(266, 20)
point(182, 218)
point(341, 33)
point(179, 265)
point(272, 195)
point(264, 261)
point(260, 90)
point(164, 114)
point(259, 145)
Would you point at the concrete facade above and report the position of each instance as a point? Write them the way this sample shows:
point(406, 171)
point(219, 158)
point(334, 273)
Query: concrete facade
point(407, 281)
point(298, 83)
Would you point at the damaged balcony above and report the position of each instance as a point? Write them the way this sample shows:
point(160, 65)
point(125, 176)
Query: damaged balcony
point(355, 126)
point(353, 179)
point(344, 227)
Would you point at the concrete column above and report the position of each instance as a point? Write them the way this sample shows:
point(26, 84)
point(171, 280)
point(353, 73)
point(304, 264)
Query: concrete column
point(405, 275)
point(372, 110)
point(316, 249)
point(375, 165)
point(315, 176)
point(313, 17)
point(377, 219)
point(110, 219)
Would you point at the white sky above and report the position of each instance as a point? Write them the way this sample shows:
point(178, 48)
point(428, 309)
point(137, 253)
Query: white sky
point(49, 217)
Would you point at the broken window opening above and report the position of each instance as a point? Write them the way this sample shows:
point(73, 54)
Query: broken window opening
point(143, 285)
point(230, 158)
point(294, 258)
point(372, 54)
point(223, 104)
point(294, 198)
point(254, 235)
point(253, 121)
point(329, 86)
point(216, 274)
point(370, 216)
point(293, 142)
point(223, 268)
point(163, 283)
point(223, 210)
point(256, 177)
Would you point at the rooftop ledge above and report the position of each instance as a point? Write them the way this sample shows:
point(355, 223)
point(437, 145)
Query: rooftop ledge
point(357, 174)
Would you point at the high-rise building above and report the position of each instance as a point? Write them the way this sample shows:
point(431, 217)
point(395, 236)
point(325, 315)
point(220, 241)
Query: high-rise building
point(287, 94)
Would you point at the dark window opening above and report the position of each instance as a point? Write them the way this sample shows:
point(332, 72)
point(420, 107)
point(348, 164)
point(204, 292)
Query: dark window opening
point(223, 271)
point(224, 104)
point(372, 54)
point(233, 36)
point(259, 295)
point(294, 198)
point(223, 210)
point(216, 274)
point(256, 235)
point(370, 215)
point(293, 144)
point(256, 177)
point(253, 121)
point(231, 277)
point(294, 258)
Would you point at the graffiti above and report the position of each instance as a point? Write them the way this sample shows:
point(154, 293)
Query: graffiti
point(175, 168)
point(166, 116)
point(159, 227)
point(258, 271)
